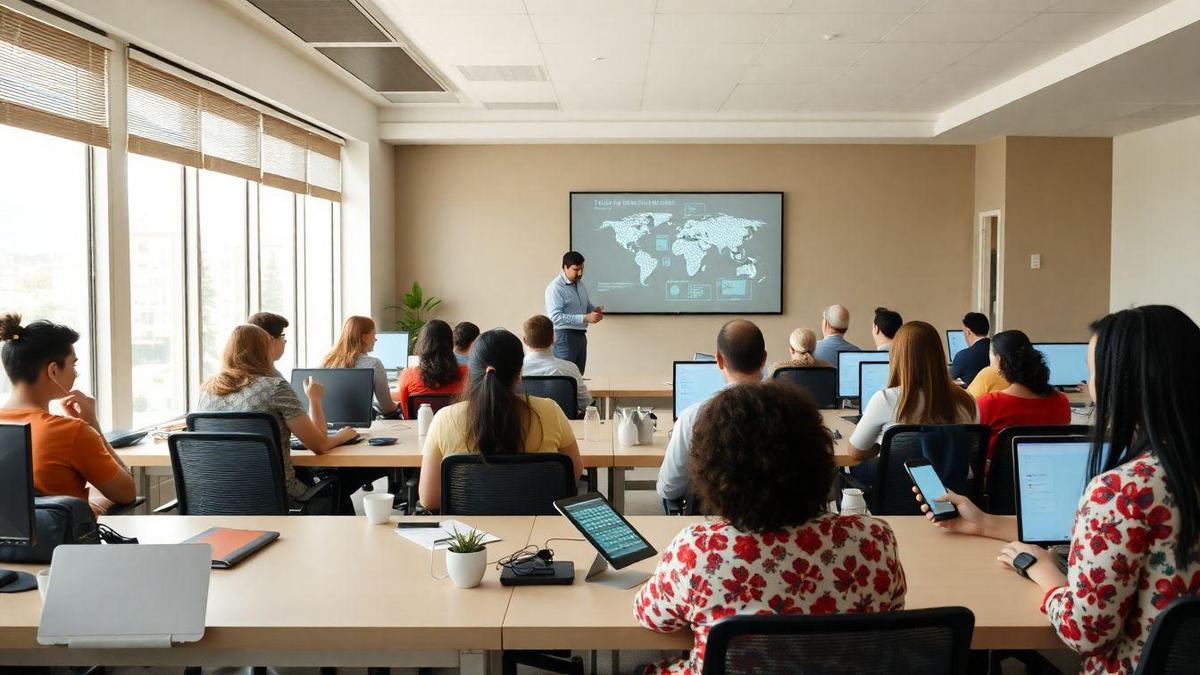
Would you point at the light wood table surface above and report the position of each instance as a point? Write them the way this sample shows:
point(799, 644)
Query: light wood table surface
point(941, 569)
point(330, 591)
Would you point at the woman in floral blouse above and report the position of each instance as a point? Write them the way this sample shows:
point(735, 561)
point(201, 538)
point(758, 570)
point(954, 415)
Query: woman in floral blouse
point(763, 464)
point(1135, 541)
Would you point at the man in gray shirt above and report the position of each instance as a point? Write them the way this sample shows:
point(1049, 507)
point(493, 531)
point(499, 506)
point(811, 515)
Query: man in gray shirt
point(741, 354)
point(570, 309)
point(834, 324)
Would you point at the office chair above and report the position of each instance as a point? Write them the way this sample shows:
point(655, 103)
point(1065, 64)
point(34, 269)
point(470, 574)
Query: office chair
point(957, 452)
point(999, 487)
point(820, 383)
point(436, 402)
point(922, 642)
point(561, 389)
point(1171, 646)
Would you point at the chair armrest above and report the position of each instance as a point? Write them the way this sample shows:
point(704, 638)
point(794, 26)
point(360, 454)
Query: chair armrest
point(321, 486)
point(169, 506)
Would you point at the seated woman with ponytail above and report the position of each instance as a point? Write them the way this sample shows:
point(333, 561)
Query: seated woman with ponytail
point(801, 344)
point(494, 418)
point(1028, 399)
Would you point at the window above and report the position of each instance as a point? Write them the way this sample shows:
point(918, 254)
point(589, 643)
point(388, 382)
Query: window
point(156, 289)
point(45, 224)
point(277, 263)
point(223, 264)
point(318, 279)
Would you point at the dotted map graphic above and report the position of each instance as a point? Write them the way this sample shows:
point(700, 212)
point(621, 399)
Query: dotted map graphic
point(653, 237)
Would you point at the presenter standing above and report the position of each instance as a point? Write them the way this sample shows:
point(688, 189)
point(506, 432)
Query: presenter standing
point(571, 311)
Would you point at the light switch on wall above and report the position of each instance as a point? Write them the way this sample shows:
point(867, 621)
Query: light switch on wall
point(1035, 261)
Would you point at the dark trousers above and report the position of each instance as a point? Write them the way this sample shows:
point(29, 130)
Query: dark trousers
point(571, 345)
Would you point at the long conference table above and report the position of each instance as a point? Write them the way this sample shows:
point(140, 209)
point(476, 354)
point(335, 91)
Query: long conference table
point(151, 458)
point(339, 591)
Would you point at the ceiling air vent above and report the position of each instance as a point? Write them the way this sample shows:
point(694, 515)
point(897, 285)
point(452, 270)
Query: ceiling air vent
point(503, 73)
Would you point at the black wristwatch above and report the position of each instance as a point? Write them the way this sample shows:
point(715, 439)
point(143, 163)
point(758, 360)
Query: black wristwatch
point(1023, 562)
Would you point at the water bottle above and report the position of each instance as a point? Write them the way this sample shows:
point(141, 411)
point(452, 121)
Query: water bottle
point(424, 417)
point(591, 424)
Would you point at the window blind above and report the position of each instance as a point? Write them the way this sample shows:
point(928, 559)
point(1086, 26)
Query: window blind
point(164, 115)
point(230, 136)
point(285, 148)
point(324, 168)
point(51, 81)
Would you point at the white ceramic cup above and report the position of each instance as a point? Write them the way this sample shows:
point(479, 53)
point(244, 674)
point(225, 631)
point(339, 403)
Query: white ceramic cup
point(853, 503)
point(378, 507)
point(43, 582)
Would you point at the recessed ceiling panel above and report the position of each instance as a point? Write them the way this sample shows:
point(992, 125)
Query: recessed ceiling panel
point(323, 20)
point(382, 68)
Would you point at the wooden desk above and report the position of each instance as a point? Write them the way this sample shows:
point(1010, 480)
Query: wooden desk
point(330, 591)
point(941, 568)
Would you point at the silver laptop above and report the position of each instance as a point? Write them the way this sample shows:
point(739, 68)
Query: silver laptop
point(152, 595)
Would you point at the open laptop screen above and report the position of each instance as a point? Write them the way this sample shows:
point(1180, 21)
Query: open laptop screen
point(1051, 474)
point(847, 363)
point(695, 381)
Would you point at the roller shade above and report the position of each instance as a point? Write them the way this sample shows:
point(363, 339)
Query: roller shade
point(51, 81)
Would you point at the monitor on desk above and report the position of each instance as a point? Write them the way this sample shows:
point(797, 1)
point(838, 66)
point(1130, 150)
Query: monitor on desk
point(1067, 362)
point(872, 378)
point(701, 356)
point(16, 498)
point(694, 382)
point(349, 394)
point(847, 363)
point(391, 348)
point(1051, 474)
point(956, 341)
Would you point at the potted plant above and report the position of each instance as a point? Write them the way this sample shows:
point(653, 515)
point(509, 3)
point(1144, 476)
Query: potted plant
point(466, 558)
point(415, 311)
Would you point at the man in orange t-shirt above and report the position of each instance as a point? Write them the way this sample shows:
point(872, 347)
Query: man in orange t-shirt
point(69, 452)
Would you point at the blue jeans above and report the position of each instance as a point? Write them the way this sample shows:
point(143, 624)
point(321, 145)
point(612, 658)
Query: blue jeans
point(571, 345)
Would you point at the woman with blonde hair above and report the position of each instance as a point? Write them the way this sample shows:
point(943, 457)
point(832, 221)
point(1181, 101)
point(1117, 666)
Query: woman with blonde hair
point(801, 344)
point(919, 391)
point(352, 350)
point(247, 383)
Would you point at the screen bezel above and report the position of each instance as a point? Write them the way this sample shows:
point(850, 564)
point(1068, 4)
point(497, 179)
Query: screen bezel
point(27, 450)
point(298, 388)
point(407, 350)
point(861, 403)
point(911, 464)
point(1054, 344)
point(948, 332)
point(887, 358)
point(675, 377)
point(647, 550)
point(1016, 467)
point(782, 243)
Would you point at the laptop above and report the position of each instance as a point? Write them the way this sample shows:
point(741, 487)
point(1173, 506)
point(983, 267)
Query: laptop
point(872, 377)
point(956, 341)
point(349, 394)
point(391, 348)
point(152, 596)
point(1051, 473)
point(693, 382)
point(847, 364)
point(1067, 362)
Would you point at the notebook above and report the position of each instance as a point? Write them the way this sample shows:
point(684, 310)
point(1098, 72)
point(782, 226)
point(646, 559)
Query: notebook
point(230, 546)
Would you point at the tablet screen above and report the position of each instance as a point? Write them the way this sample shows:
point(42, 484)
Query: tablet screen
point(607, 530)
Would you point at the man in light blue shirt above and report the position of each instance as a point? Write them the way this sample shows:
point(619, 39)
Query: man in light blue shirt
point(540, 361)
point(741, 354)
point(571, 311)
point(465, 334)
point(834, 324)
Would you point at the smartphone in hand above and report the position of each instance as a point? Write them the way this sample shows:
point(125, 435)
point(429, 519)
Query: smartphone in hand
point(930, 484)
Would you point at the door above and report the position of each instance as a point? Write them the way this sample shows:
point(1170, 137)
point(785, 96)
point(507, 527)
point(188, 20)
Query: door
point(990, 267)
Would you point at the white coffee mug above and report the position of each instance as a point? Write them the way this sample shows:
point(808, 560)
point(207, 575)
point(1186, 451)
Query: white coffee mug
point(378, 507)
point(853, 503)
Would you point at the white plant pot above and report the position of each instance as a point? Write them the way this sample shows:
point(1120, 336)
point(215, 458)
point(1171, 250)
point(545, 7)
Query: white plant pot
point(466, 569)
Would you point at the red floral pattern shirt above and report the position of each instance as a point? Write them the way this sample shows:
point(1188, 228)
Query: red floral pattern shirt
point(1122, 567)
point(712, 570)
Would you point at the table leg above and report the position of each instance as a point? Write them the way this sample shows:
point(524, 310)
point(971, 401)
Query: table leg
point(616, 488)
point(473, 662)
point(141, 478)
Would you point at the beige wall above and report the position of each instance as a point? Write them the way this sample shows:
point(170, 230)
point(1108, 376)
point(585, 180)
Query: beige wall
point(484, 228)
point(1156, 217)
point(1058, 203)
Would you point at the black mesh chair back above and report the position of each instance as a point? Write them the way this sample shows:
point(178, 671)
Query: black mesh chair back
point(820, 383)
point(506, 485)
point(227, 474)
point(999, 489)
point(559, 388)
point(1171, 648)
point(259, 423)
point(956, 451)
point(436, 402)
point(921, 642)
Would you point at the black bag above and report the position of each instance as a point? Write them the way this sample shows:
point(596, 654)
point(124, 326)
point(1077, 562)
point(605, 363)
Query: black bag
point(57, 520)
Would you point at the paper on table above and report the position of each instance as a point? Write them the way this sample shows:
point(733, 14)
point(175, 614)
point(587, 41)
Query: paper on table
point(439, 537)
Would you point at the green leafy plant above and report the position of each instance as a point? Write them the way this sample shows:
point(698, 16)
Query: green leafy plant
point(415, 311)
point(466, 542)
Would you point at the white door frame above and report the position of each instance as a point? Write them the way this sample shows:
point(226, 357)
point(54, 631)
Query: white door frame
point(984, 262)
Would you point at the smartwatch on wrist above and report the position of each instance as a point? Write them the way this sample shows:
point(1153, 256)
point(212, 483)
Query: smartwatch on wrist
point(1022, 563)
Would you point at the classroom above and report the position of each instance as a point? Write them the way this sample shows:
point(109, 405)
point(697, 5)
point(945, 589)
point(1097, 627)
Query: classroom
point(602, 337)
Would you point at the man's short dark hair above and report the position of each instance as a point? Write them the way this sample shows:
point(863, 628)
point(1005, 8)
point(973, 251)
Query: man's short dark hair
point(28, 349)
point(539, 332)
point(977, 323)
point(888, 322)
point(272, 323)
point(742, 345)
point(465, 333)
point(572, 258)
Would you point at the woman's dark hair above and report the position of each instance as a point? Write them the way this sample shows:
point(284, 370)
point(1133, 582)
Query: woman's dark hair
point(435, 345)
point(1020, 363)
point(27, 349)
point(761, 457)
point(498, 417)
point(1147, 363)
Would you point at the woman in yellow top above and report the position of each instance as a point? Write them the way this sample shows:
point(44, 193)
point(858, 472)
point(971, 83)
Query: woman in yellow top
point(988, 380)
point(494, 418)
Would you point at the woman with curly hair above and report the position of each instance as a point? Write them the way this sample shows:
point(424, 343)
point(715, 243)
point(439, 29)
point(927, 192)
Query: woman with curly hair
point(762, 463)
